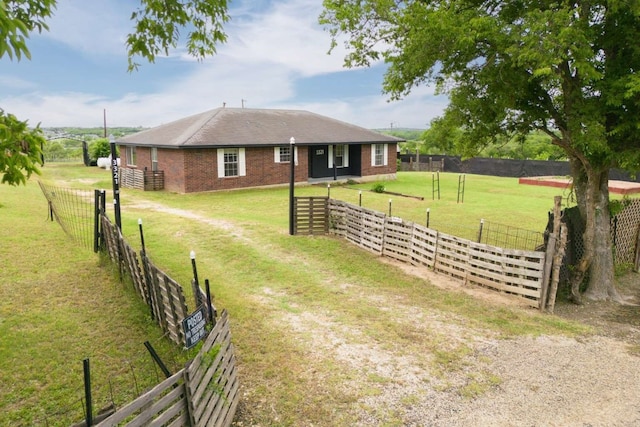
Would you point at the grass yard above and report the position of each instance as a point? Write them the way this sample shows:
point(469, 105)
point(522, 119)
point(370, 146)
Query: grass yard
point(60, 304)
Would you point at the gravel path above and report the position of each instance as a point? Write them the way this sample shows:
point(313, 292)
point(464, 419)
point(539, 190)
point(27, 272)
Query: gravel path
point(527, 381)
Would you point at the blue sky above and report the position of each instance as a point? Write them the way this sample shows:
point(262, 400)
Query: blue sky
point(275, 57)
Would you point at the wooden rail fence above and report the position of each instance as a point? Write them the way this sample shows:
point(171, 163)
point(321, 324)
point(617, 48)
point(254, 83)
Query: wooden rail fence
point(516, 272)
point(311, 215)
point(204, 393)
point(164, 295)
point(141, 179)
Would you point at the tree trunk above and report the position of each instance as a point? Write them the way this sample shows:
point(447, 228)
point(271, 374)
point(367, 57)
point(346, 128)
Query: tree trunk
point(592, 193)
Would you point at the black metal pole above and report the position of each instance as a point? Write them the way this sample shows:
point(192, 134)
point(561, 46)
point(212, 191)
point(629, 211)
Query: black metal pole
point(155, 357)
point(96, 221)
point(87, 391)
point(389, 207)
point(115, 178)
point(360, 198)
point(141, 235)
point(428, 215)
point(335, 168)
point(192, 255)
point(328, 191)
point(212, 311)
point(292, 176)
point(480, 232)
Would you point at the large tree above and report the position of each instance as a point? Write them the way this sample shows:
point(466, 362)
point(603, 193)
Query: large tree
point(157, 25)
point(566, 68)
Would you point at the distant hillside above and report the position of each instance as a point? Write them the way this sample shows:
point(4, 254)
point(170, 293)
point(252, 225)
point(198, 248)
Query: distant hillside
point(88, 134)
point(407, 134)
point(64, 144)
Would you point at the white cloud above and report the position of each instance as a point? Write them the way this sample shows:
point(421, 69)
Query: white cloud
point(95, 27)
point(287, 34)
point(269, 54)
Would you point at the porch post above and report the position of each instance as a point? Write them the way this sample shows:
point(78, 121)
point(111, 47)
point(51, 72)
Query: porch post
point(292, 145)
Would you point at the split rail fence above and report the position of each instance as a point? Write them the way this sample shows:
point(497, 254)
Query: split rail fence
point(517, 272)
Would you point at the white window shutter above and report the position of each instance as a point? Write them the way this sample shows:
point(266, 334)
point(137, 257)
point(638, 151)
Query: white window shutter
point(345, 161)
point(242, 164)
point(373, 154)
point(331, 157)
point(385, 150)
point(276, 154)
point(220, 162)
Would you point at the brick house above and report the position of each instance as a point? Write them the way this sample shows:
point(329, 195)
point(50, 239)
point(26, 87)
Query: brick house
point(230, 148)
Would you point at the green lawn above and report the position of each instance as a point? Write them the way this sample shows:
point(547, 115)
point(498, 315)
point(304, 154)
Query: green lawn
point(60, 304)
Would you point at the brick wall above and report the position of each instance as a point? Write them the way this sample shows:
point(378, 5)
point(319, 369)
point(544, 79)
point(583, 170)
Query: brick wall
point(201, 170)
point(390, 168)
point(170, 161)
point(194, 170)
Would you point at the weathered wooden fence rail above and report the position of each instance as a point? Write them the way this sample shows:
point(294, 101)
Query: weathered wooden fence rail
point(516, 272)
point(311, 215)
point(204, 393)
point(142, 179)
point(164, 295)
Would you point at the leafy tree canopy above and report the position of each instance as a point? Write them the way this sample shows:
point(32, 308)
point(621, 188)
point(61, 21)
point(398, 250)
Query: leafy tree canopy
point(567, 69)
point(157, 26)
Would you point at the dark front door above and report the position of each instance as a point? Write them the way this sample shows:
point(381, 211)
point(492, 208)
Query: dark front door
point(319, 161)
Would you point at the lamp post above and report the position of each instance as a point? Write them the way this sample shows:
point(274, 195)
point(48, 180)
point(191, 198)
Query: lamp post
point(115, 177)
point(292, 144)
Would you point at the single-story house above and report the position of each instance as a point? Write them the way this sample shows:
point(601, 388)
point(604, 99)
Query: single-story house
point(230, 148)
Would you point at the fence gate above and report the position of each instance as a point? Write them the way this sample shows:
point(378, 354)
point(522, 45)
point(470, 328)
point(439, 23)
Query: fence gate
point(311, 215)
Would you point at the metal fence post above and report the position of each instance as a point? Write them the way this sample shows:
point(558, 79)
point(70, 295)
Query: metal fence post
point(87, 391)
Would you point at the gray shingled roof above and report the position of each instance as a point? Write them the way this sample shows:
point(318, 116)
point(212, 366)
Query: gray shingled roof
point(236, 127)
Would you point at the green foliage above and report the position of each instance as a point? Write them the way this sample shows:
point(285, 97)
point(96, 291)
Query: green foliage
point(18, 19)
point(158, 24)
point(617, 205)
point(20, 149)
point(378, 187)
point(564, 69)
point(100, 148)
point(157, 28)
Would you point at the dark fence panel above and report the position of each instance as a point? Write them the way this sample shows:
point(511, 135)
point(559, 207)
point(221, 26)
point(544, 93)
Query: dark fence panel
point(502, 167)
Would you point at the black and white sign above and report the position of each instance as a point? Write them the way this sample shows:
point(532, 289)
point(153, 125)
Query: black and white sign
point(194, 327)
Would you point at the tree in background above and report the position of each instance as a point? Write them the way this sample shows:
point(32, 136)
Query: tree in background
point(100, 147)
point(156, 31)
point(566, 69)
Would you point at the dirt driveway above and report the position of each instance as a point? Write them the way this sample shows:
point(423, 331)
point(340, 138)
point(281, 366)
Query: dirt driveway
point(547, 380)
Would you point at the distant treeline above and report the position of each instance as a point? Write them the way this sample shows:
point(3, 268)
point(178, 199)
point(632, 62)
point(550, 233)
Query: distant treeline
point(64, 144)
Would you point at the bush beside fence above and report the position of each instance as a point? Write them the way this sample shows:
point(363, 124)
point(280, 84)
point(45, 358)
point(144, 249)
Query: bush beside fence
point(516, 272)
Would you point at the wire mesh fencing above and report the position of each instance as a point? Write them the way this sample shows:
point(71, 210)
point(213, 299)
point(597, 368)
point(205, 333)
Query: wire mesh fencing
point(494, 234)
point(74, 210)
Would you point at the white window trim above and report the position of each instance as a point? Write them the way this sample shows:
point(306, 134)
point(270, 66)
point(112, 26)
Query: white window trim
point(276, 155)
point(154, 159)
point(131, 152)
point(385, 154)
point(345, 158)
point(242, 164)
